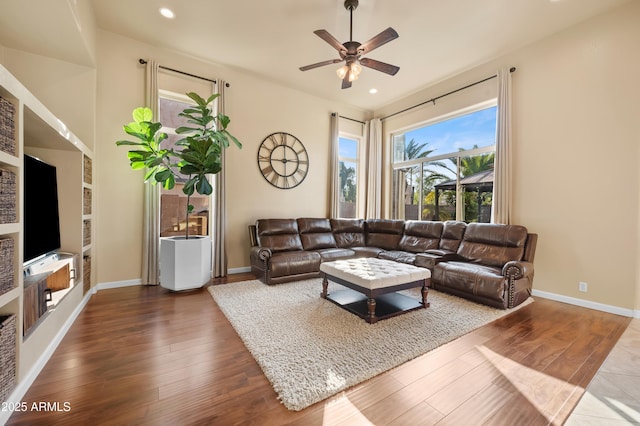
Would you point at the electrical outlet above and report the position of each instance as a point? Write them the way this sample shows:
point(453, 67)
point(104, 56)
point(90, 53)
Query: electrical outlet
point(583, 287)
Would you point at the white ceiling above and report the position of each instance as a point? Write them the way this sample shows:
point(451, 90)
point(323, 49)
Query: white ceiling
point(273, 38)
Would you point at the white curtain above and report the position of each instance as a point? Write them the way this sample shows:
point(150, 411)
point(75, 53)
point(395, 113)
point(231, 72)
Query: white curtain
point(220, 206)
point(151, 221)
point(502, 184)
point(373, 137)
point(335, 175)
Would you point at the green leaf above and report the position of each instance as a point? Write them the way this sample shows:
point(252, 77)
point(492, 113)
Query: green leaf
point(169, 183)
point(185, 129)
point(120, 143)
point(197, 98)
point(142, 114)
point(163, 175)
point(203, 186)
point(188, 187)
point(224, 120)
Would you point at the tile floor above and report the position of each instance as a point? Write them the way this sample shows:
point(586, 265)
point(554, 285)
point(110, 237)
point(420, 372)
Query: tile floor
point(613, 396)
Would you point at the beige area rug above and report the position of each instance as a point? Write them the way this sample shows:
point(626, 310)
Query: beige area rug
point(311, 349)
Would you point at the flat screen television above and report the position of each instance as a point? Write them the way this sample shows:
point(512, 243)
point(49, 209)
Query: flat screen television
point(41, 214)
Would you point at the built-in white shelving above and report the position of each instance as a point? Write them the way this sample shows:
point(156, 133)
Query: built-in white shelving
point(39, 132)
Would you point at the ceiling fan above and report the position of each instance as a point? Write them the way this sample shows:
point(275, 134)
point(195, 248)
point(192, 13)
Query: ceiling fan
point(351, 51)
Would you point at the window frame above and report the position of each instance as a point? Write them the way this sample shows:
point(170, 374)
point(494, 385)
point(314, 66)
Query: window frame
point(489, 149)
point(360, 176)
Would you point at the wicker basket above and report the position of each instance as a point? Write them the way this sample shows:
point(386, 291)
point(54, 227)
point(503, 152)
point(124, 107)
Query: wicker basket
point(7, 355)
point(86, 201)
point(7, 196)
point(87, 172)
point(7, 127)
point(86, 273)
point(6, 265)
point(86, 232)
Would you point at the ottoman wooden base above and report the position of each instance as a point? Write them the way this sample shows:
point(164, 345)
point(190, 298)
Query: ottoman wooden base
point(372, 286)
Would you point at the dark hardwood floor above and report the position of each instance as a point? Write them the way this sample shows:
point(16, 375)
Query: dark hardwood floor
point(142, 355)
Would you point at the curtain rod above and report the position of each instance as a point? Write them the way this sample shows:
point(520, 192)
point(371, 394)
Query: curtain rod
point(143, 61)
point(433, 100)
point(347, 118)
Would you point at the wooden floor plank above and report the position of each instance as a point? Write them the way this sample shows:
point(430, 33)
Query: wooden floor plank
point(142, 355)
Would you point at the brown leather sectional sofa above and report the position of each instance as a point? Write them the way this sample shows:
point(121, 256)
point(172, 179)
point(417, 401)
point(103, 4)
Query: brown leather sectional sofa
point(487, 263)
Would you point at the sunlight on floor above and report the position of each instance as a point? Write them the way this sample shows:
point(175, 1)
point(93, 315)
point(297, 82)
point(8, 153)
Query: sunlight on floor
point(538, 388)
point(339, 409)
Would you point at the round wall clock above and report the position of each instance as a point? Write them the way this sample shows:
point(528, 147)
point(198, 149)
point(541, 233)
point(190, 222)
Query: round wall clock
point(283, 160)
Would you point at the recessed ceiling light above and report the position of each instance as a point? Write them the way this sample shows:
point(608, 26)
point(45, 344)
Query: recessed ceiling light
point(167, 13)
point(373, 91)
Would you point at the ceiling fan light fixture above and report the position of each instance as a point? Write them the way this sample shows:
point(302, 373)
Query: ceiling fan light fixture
point(351, 51)
point(342, 71)
point(355, 68)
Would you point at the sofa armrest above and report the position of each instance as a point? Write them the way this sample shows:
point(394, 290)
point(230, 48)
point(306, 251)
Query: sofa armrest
point(431, 258)
point(261, 253)
point(516, 270)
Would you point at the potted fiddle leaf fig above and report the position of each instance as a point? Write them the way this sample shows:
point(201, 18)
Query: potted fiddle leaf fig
point(185, 262)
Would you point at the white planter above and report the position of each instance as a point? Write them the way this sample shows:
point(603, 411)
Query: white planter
point(185, 263)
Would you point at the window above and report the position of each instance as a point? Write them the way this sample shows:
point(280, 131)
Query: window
point(173, 203)
point(349, 176)
point(444, 170)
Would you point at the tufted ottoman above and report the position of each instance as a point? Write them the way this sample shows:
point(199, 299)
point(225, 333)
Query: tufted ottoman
point(372, 286)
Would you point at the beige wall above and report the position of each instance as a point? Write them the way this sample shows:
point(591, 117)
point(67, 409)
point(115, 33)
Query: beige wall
point(66, 89)
point(576, 118)
point(576, 132)
point(256, 107)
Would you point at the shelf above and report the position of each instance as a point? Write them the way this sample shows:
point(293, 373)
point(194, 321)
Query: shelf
point(9, 297)
point(9, 160)
point(9, 228)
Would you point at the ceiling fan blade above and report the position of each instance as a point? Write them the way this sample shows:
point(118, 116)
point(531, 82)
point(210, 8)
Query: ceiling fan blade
point(324, 34)
point(345, 82)
point(384, 37)
point(320, 64)
point(379, 66)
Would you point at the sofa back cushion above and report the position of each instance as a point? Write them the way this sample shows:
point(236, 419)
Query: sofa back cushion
point(278, 234)
point(348, 232)
point(316, 234)
point(452, 234)
point(384, 233)
point(420, 235)
point(493, 244)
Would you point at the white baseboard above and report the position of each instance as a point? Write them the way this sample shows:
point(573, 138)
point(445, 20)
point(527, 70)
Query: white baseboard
point(116, 284)
point(239, 270)
point(588, 304)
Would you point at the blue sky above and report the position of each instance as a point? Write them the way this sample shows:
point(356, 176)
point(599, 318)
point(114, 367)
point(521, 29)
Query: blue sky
point(476, 128)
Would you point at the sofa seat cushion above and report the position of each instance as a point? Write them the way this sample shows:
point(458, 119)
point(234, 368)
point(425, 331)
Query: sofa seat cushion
point(294, 263)
point(398, 256)
point(470, 278)
point(331, 254)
